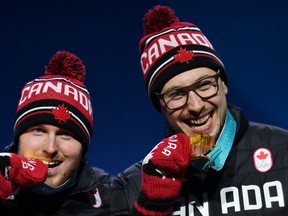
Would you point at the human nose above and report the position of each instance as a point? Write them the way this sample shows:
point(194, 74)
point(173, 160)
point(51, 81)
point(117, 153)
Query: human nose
point(51, 144)
point(194, 102)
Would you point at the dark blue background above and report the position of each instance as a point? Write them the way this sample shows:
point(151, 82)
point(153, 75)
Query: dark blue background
point(250, 36)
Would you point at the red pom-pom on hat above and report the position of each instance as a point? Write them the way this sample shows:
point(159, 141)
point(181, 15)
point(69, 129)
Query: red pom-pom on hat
point(158, 18)
point(64, 63)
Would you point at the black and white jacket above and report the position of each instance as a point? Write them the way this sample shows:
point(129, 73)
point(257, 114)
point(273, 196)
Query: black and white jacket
point(253, 180)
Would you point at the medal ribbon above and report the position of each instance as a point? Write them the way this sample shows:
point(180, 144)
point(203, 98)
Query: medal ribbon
point(217, 157)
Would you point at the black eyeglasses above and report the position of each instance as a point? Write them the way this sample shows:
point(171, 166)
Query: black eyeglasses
point(177, 98)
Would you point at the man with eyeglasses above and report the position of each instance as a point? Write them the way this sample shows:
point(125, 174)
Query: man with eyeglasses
point(205, 88)
point(212, 160)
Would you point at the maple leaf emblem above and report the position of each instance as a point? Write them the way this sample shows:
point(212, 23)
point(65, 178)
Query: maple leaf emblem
point(61, 113)
point(184, 55)
point(262, 155)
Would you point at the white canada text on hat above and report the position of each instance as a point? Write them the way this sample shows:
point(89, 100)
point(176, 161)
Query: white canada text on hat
point(58, 90)
point(168, 40)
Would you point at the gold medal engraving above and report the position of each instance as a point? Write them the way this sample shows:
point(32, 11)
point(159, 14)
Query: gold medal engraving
point(201, 144)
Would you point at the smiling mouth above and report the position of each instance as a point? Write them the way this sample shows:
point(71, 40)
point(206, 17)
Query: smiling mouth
point(200, 122)
point(51, 164)
point(47, 161)
point(199, 125)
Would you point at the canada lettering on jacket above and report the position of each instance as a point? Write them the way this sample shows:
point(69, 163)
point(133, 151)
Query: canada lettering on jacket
point(168, 42)
point(35, 89)
point(233, 199)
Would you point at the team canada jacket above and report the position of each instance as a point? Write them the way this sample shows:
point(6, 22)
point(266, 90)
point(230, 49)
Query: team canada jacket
point(253, 180)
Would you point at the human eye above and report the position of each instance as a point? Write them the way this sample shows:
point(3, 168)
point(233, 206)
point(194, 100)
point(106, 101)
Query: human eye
point(65, 134)
point(205, 84)
point(37, 131)
point(176, 94)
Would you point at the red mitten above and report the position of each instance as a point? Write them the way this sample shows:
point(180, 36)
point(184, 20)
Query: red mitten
point(22, 170)
point(6, 186)
point(162, 175)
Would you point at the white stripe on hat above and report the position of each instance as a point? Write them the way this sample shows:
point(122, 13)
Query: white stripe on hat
point(50, 108)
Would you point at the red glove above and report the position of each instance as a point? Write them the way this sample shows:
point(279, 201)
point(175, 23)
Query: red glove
point(162, 175)
point(17, 171)
point(6, 187)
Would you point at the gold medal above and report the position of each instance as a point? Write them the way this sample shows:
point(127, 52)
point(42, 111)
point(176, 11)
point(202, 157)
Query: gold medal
point(201, 145)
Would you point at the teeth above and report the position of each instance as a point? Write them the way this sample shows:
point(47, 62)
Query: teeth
point(45, 162)
point(200, 121)
point(51, 163)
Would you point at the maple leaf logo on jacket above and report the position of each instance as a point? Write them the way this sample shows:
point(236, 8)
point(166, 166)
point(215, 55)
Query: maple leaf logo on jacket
point(262, 156)
point(184, 55)
point(61, 113)
point(263, 161)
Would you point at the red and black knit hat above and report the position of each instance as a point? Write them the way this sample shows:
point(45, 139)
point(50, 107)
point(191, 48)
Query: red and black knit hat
point(171, 47)
point(59, 98)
